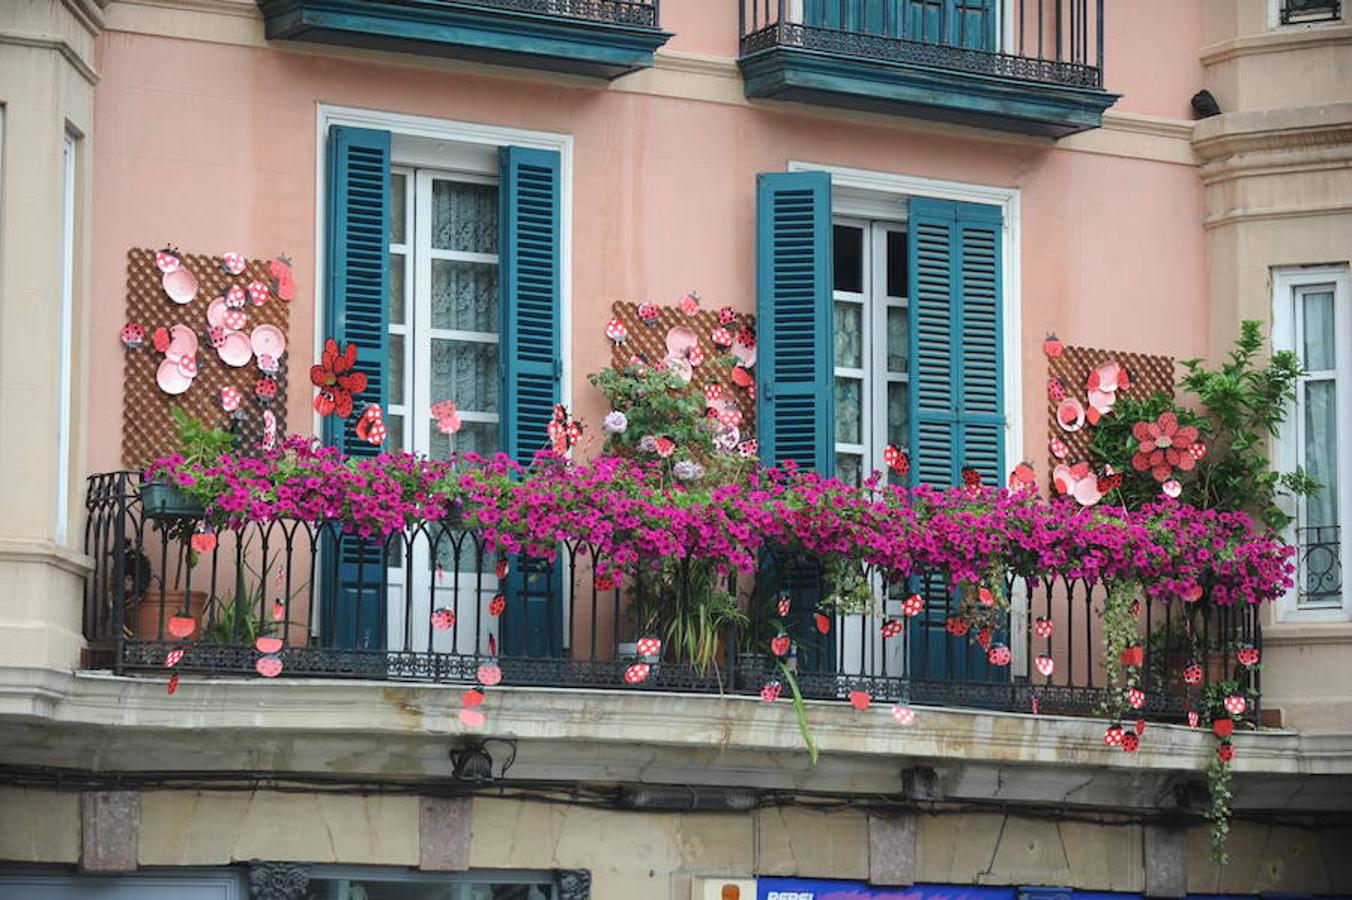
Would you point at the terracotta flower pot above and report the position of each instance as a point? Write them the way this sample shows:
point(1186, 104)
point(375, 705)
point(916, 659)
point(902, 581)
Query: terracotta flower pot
point(146, 618)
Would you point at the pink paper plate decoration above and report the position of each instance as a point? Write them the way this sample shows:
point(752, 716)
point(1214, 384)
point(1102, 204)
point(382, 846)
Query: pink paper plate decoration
point(268, 340)
point(268, 644)
point(235, 349)
point(171, 379)
point(269, 666)
point(472, 718)
point(1070, 414)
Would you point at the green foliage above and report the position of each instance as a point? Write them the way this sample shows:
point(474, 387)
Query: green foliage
point(1239, 407)
point(685, 603)
point(659, 404)
point(198, 443)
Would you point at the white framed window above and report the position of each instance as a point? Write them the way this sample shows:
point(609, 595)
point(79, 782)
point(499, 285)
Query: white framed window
point(1311, 317)
point(1305, 13)
point(871, 341)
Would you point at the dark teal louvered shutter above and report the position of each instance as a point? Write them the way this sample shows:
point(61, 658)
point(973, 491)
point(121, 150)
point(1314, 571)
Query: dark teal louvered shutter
point(531, 280)
point(795, 409)
point(957, 413)
point(357, 312)
point(957, 23)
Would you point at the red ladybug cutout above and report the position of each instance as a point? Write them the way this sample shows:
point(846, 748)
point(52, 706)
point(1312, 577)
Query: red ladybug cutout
point(172, 687)
point(891, 628)
point(1113, 735)
point(604, 582)
point(1247, 655)
point(1192, 674)
point(1045, 666)
point(1235, 705)
point(726, 316)
point(133, 336)
point(896, 460)
point(204, 541)
point(779, 644)
point(1225, 752)
point(182, 626)
point(1052, 346)
point(232, 263)
point(1193, 718)
point(637, 673)
point(269, 666)
point(265, 388)
point(497, 606)
point(1133, 656)
point(913, 605)
point(489, 674)
point(648, 313)
point(741, 377)
point(860, 699)
point(958, 625)
point(283, 278)
point(160, 339)
point(259, 293)
point(721, 337)
point(235, 297)
point(443, 619)
point(983, 637)
point(971, 477)
point(1056, 389)
point(770, 692)
point(167, 260)
point(822, 621)
point(472, 698)
point(748, 449)
point(1131, 742)
point(999, 655)
point(502, 568)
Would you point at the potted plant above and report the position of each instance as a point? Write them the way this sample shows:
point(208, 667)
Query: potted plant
point(162, 500)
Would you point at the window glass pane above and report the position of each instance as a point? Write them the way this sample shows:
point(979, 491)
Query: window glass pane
point(395, 425)
point(464, 296)
point(849, 259)
point(398, 198)
point(465, 372)
point(898, 337)
point(896, 264)
point(897, 421)
point(374, 888)
point(396, 370)
point(849, 410)
point(464, 217)
point(397, 262)
point(1318, 352)
point(850, 468)
point(1321, 452)
point(849, 335)
point(473, 437)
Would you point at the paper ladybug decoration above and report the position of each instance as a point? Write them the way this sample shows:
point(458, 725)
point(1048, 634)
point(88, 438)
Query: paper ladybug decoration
point(1172, 488)
point(1135, 698)
point(999, 655)
point(1192, 674)
point(167, 260)
point(203, 541)
point(696, 356)
point(958, 625)
point(1045, 666)
point(983, 637)
point(1225, 752)
point(1042, 627)
point(1113, 735)
point(1235, 705)
point(902, 714)
point(268, 666)
point(497, 606)
point(501, 568)
point(913, 605)
point(1057, 448)
point(235, 297)
point(617, 331)
point(604, 582)
point(172, 687)
point(133, 336)
point(267, 644)
point(726, 316)
point(265, 388)
point(971, 478)
point(721, 337)
point(690, 303)
point(230, 399)
point(747, 339)
point(489, 673)
point(1056, 390)
point(1023, 478)
point(259, 293)
point(648, 313)
point(822, 621)
point(370, 426)
point(1131, 741)
point(896, 460)
point(235, 320)
point(283, 277)
point(232, 263)
point(1052, 346)
point(860, 699)
point(160, 339)
point(173, 657)
point(769, 693)
point(216, 335)
point(443, 619)
point(741, 377)
point(472, 698)
point(649, 647)
point(748, 449)
point(1133, 656)
point(181, 626)
point(891, 628)
point(1193, 718)
point(985, 596)
point(713, 392)
point(637, 673)
point(779, 644)
point(1247, 655)
point(1197, 451)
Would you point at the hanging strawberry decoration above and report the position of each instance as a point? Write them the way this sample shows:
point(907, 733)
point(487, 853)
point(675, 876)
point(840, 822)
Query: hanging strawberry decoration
point(172, 687)
point(371, 426)
point(822, 621)
point(497, 606)
point(259, 293)
point(891, 628)
point(984, 635)
point(442, 618)
point(1113, 735)
point(896, 460)
point(783, 604)
point(235, 297)
point(1193, 718)
point(902, 714)
point(283, 277)
point(958, 625)
point(637, 673)
point(769, 693)
point(1042, 627)
point(230, 399)
point(1235, 705)
point(649, 647)
point(1057, 448)
point(779, 644)
point(695, 356)
point(860, 699)
point(721, 338)
point(1133, 656)
point(913, 605)
point(203, 541)
point(1225, 751)
point(1197, 450)
point(1052, 346)
point(268, 666)
point(173, 657)
point(748, 449)
point(1135, 698)
point(1045, 666)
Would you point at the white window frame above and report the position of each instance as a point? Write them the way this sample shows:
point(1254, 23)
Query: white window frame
point(70, 148)
point(1288, 285)
point(1275, 18)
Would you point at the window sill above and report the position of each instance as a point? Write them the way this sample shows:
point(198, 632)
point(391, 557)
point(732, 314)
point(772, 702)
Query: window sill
point(1301, 630)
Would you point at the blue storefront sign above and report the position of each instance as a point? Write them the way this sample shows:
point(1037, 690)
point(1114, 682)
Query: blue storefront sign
point(812, 889)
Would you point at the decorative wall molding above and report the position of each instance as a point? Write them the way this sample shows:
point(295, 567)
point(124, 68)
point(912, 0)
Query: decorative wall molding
point(278, 880)
point(33, 551)
point(52, 42)
point(1276, 42)
point(574, 884)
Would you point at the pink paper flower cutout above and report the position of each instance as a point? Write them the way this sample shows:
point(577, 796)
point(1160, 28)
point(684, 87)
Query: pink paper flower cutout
point(1164, 445)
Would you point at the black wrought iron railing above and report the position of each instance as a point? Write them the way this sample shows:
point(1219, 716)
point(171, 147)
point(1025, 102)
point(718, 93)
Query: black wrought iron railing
point(1321, 565)
point(1057, 42)
point(1302, 12)
point(435, 604)
point(643, 13)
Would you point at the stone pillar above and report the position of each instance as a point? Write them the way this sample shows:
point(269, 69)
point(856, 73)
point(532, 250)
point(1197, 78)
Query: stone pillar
point(444, 833)
point(1166, 861)
point(110, 823)
point(892, 845)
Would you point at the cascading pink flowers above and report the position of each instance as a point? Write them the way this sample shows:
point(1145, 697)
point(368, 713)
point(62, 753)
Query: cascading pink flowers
point(627, 515)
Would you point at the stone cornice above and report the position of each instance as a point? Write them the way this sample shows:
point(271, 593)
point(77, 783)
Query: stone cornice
point(27, 550)
point(1277, 42)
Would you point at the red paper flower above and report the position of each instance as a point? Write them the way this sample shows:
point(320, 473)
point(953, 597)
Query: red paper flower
point(1164, 445)
point(336, 380)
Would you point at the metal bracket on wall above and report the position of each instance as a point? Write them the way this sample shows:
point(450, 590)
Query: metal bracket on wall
point(574, 884)
point(278, 880)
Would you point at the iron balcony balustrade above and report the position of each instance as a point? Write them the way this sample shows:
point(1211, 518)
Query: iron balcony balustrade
point(421, 607)
point(1032, 66)
point(598, 38)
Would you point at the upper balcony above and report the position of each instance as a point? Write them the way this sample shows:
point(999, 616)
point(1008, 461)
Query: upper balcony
point(1030, 66)
point(599, 38)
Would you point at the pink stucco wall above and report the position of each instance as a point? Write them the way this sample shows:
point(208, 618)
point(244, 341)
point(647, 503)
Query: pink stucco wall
point(212, 147)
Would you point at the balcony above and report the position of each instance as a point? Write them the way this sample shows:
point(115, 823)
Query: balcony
point(598, 38)
point(431, 604)
point(1029, 66)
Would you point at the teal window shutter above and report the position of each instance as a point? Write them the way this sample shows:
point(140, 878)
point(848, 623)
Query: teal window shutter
point(795, 407)
point(957, 23)
point(957, 402)
point(530, 280)
point(357, 312)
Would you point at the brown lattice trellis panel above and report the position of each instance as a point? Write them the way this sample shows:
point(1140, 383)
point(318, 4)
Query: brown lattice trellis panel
point(649, 342)
point(1148, 375)
point(147, 429)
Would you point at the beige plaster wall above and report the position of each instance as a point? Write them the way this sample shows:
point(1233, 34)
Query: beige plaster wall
point(658, 854)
